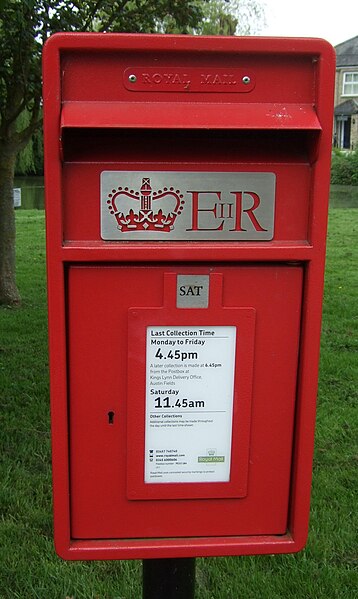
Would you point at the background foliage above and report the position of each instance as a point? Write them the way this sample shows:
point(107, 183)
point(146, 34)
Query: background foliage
point(344, 168)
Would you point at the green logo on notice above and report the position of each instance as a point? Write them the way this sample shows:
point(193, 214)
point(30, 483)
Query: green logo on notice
point(211, 459)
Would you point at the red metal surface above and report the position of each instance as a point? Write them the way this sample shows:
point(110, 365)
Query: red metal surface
point(282, 125)
point(81, 186)
point(171, 115)
point(99, 451)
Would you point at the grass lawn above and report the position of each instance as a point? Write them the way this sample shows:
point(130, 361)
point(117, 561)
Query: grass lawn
point(29, 568)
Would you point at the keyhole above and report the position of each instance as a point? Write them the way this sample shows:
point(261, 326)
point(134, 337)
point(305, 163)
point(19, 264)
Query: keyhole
point(110, 417)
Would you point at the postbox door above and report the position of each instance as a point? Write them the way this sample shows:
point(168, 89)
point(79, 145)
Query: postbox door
point(261, 305)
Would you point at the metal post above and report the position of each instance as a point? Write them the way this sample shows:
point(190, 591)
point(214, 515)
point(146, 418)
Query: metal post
point(169, 578)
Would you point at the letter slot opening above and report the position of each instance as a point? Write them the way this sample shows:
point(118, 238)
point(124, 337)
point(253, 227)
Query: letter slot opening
point(86, 145)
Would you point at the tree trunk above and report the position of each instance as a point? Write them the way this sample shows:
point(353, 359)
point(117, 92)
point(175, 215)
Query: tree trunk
point(9, 294)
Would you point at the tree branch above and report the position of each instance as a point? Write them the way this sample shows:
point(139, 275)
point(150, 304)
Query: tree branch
point(92, 15)
point(21, 138)
point(117, 7)
point(10, 118)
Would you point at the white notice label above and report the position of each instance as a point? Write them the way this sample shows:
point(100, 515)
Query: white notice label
point(189, 403)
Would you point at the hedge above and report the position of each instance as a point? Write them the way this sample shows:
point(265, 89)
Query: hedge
point(344, 168)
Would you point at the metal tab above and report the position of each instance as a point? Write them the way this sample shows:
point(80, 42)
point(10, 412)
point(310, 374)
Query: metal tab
point(192, 291)
point(173, 206)
point(188, 79)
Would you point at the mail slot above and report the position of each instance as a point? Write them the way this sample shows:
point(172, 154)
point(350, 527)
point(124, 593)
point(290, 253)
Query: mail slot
point(187, 184)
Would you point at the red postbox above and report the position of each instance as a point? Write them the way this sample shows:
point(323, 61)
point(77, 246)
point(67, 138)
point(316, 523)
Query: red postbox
point(187, 187)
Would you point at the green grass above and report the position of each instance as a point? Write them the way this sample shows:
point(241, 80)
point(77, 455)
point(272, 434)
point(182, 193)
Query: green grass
point(29, 568)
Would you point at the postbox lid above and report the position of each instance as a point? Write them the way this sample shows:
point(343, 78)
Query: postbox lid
point(196, 115)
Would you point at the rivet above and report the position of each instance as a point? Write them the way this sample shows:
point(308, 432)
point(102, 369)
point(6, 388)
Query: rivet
point(246, 80)
point(132, 78)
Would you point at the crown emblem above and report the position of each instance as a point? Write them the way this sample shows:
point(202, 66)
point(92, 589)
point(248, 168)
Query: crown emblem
point(134, 210)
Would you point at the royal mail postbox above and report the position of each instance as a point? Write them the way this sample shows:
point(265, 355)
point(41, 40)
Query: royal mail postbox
point(187, 187)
